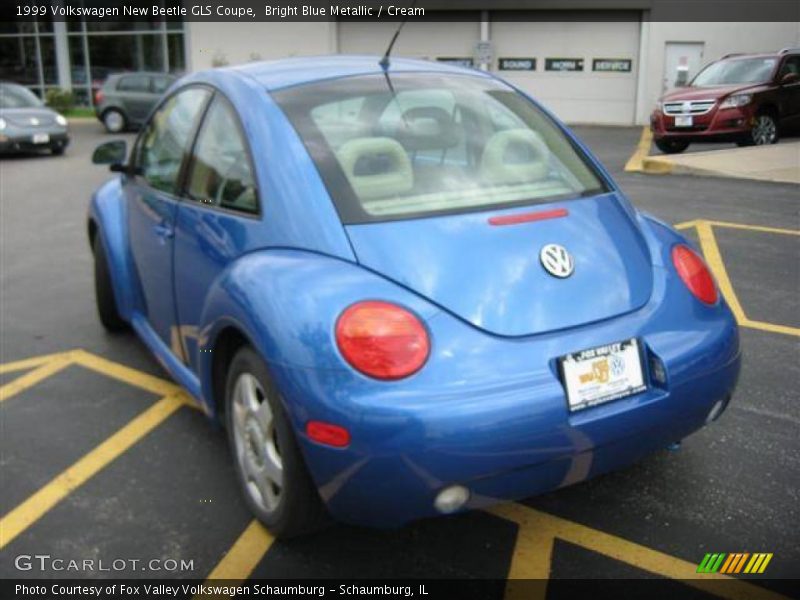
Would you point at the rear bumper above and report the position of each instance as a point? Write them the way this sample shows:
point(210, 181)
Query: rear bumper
point(496, 420)
point(718, 125)
point(389, 486)
point(19, 144)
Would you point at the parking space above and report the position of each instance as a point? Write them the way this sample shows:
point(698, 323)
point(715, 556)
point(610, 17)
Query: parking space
point(102, 456)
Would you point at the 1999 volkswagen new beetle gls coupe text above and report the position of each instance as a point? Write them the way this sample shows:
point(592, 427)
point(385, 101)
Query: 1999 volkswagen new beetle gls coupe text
point(405, 291)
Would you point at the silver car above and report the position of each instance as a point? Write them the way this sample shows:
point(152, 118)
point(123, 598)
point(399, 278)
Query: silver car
point(27, 125)
point(126, 99)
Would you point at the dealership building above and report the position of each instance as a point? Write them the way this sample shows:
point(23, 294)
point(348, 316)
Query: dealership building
point(605, 65)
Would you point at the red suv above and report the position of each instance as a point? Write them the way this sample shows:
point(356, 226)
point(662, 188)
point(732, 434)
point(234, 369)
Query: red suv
point(740, 98)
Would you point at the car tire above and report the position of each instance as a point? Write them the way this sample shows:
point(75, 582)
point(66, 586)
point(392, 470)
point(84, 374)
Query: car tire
point(103, 290)
point(763, 132)
point(263, 443)
point(672, 146)
point(114, 121)
point(57, 150)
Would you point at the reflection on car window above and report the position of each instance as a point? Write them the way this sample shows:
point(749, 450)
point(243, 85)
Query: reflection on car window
point(16, 96)
point(220, 174)
point(735, 71)
point(163, 143)
point(423, 144)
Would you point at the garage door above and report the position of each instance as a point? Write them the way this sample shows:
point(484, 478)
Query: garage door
point(453, 40)
point(585, 71)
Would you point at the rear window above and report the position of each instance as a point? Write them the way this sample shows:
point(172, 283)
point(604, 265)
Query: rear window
point(421, 144)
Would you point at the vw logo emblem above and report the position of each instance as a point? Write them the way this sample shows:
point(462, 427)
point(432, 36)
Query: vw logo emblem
point(34, 121)
point(557, 261)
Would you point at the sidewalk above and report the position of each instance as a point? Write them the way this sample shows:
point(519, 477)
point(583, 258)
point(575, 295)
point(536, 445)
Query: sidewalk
point(779, 162)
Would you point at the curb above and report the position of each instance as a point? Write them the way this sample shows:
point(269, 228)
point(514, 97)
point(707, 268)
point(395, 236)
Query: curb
point(653, 165)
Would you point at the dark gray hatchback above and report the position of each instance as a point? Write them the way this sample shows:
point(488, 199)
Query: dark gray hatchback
point(126, 99)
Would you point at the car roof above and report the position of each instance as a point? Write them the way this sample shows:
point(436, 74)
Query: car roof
point(277, 74)
point(740, 56)
point(148, 73)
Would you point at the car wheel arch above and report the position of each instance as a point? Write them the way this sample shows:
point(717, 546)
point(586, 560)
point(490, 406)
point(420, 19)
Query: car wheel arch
point(91, 231)
point(769, 109)
point(108, 219)
point(228, 341)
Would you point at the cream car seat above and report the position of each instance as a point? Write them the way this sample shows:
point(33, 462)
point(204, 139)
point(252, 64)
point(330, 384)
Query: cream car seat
point(514, 156)
point(376, 167)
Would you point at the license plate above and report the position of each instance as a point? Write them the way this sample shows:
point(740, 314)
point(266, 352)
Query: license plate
point(602, 374)
point(41, 138)
point(683, 121)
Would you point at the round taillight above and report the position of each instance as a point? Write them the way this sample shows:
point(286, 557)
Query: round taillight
point(382, 340)
point(694, 273)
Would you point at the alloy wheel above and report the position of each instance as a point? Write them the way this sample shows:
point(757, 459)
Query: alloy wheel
point(764, 130)
point(114, 121)
point(256, 442)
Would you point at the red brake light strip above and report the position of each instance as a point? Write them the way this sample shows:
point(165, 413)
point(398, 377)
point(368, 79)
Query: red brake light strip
point(529, 217)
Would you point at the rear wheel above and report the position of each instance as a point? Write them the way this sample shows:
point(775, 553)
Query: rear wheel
point(103, 290)
point(269, 465)
point(114, 121)
point(763, 132)
point(672, 146)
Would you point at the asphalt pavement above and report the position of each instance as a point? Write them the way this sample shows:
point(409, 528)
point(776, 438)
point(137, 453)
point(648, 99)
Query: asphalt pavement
point(732, 487)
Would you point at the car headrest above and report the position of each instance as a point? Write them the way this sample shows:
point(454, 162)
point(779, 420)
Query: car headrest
point(427, 128)
point(514, 156)
point(376, 167)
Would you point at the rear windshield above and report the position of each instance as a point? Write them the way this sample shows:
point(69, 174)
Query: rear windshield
point(421, 144)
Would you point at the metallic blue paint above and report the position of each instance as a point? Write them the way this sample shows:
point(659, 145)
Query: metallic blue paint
point(488, 410)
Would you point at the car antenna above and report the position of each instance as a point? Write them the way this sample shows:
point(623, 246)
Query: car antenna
point(384, 62)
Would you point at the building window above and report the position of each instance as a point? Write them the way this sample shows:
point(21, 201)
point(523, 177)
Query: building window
point(29, 52)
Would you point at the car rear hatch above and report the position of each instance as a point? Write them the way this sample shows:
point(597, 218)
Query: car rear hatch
point(492, 277)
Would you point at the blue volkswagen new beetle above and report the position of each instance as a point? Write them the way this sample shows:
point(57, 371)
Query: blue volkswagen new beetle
point(405, 291)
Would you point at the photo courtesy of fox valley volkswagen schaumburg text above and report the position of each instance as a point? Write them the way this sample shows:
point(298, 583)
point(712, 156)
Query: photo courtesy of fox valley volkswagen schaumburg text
point(439, 299)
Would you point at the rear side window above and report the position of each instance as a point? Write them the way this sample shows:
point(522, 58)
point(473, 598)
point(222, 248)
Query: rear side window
point(134, 83)
point(220, 174)
point(164, 142)
point(421, 144)
point(160, 84)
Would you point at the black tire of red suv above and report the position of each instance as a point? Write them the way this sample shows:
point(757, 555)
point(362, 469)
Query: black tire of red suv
point(763, 132)
point(672, 146)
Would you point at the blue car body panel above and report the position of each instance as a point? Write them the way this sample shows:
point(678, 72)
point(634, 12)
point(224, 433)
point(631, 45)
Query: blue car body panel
point(488, 410)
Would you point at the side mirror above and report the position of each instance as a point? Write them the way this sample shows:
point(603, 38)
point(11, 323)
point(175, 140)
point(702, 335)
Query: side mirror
point(111, 153)
point(790, 78)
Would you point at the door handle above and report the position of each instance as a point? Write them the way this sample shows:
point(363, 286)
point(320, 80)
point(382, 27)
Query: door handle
point(164, 231)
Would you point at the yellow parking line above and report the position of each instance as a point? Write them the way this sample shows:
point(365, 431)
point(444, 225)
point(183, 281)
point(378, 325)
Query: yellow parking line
point(772, 327)
point(686, 225)
point(537, 531)
point(131, 376)
point(708, 243)
point(28, 363)
point(35, 506)
point(754, 227)
point(244, 555)
point(33, 377)
point(635, 162)
point(714, 259)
